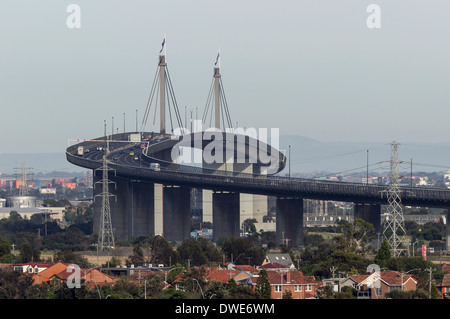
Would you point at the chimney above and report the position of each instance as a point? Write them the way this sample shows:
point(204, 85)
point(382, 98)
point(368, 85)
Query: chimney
point(288, 277)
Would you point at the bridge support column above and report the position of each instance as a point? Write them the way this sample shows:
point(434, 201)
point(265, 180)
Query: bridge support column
point(368, 212)
point(118, 206)
point(141, 208)
point(176, 213)
point(132, 210)
point(289, 224)
point(225, 215)
point(447, 232)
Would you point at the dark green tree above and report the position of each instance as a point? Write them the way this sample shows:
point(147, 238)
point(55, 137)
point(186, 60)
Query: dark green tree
point(126, 289)
point(137, 257)
point(13, 285)
point(70, 257)
point(28, 253)
point(383, 254)
point(263, 289)
point(232, 288)
point(5, 248)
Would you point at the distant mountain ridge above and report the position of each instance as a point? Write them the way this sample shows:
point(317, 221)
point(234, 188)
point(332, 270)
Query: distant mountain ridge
point(307, 156)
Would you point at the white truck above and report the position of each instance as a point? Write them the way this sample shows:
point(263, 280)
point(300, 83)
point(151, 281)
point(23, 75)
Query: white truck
point(80, 150)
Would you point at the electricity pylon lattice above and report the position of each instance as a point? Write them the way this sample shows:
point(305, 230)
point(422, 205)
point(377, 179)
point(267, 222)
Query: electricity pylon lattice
point(394, 226)
point(106, 233)
point(23, 190)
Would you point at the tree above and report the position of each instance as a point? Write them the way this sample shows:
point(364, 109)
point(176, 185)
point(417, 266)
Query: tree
point(69, 257)
point(232, 287)
point(248, 226)
point(383, 254)
point(199, 251)
point(356, 237)
point(5, 248)
point(161, 251)
point(126, 289)
point(137, 257)
point(194, 280)
point(28, 253)
point(154, 284)
point(263, 289)
point(13, 284)
point(250, 250)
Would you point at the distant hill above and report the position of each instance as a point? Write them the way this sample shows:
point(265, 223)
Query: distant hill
point(308, 156)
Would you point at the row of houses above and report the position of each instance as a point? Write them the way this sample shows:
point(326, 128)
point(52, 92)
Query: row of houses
point(283, 277)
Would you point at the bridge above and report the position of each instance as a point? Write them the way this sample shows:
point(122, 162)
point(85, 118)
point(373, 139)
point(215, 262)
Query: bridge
point(153, 185)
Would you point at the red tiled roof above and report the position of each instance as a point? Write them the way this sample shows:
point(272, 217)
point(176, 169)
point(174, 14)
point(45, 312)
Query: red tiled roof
point(273, 266)
point(46, 274)
point(445, 281)
point(247, 268)
point(221, 275)
point(358, 278)
point(94, 275)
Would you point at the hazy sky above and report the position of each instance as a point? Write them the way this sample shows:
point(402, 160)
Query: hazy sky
point(311, 68)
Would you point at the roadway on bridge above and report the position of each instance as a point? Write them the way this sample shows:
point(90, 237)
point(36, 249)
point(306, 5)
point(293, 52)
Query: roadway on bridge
point(129, 161)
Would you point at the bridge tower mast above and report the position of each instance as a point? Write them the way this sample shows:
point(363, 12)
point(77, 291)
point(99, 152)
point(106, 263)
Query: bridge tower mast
point(394, 229)
point(162, 85)
point(106, 233)
point(162, 93)
point(217, 101)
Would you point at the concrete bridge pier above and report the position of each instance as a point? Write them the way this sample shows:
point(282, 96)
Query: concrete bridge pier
point(176, 213)
point(132, 213)
point(289, 224)
point(225, 207)
point(447, 232)
point(370, 213)
point(141, 208)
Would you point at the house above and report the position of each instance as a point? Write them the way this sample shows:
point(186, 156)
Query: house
point(293, 282)
point(91, 276)
point(283, 259)
point(32, 267)
point(377, 284)
point(46, 274)
point(444, 287)
point(223, 276)
point(274, 267)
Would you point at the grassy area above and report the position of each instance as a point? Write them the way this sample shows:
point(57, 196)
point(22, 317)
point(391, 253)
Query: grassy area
point(326, 236)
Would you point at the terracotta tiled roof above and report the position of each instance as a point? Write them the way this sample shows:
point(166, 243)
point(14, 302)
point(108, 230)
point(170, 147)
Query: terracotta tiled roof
point(221, 275)
point(445, 281)
point(45, 275)
point(88, 274)
point(358, 278)
point(273, 266)
point(247, 268)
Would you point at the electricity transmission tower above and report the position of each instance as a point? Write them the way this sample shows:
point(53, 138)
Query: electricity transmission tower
point(106, 234)
point(394, 229)
point(23, 190)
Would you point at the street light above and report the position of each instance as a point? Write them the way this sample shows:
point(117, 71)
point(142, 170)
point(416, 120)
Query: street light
point(201, 290)
point(413, 247)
